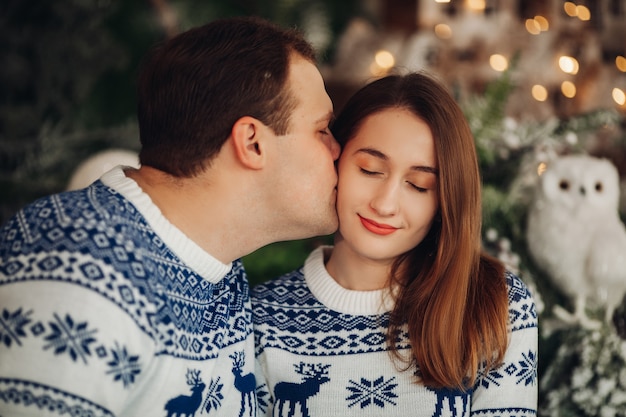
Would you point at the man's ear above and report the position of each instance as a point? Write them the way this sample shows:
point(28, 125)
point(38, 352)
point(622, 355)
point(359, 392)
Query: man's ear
point(248, 135)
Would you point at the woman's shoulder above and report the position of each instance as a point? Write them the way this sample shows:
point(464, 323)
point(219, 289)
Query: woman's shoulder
point(516, 287)
point(522, 309)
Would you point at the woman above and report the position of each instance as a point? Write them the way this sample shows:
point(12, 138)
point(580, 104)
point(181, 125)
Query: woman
point(404, 315)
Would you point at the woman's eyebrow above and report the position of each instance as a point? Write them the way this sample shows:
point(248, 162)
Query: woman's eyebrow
point(373, 152)
point(424, 168)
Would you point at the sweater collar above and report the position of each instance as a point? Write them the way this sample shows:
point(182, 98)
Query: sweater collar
point(338, 298)
point(186, 249)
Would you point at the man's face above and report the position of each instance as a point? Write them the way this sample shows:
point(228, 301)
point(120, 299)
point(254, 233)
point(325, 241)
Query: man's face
point(305, 175)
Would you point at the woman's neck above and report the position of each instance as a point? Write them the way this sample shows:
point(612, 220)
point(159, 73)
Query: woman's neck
point(354, 272)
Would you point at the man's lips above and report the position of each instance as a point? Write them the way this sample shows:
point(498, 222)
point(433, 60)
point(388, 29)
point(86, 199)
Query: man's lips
point(377, 228)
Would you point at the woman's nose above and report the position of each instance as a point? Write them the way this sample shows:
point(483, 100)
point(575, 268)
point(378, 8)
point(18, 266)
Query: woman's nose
point(385, 201)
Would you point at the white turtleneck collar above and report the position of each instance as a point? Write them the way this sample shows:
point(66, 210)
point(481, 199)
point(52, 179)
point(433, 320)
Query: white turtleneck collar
point(186, 249)
point(338, 298)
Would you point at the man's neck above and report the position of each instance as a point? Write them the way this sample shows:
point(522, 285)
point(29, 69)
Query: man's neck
point(208, 212)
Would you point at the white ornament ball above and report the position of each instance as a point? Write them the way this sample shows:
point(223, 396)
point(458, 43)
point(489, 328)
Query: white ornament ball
point(93, 167)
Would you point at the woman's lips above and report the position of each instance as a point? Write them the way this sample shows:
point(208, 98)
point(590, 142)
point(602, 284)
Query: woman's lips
point(377, 228)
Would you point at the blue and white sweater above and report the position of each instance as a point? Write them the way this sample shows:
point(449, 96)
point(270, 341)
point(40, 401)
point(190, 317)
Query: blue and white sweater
point(107, 309)
point(321, 351)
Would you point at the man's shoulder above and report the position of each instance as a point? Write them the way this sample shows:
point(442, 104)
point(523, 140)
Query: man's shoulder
point(62, 219)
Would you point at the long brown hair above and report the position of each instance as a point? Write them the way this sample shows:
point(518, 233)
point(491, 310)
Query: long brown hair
point(453, 296)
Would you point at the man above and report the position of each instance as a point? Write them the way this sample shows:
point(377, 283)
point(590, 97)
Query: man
point(127, 298)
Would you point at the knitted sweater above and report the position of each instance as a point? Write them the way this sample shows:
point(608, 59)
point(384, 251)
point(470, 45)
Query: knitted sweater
point(107, 309)
point(321, 351)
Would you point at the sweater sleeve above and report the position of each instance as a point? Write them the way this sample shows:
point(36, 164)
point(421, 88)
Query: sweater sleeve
point(512, 388)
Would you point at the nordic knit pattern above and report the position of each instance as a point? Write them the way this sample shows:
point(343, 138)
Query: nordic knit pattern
point(107, 309)
point(321, 351)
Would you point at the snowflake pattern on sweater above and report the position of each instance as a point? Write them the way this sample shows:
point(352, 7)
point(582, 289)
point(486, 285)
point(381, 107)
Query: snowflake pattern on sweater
point(321, 351)
point(106, 309)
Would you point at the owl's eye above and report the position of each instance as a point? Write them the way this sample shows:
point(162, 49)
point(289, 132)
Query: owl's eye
point(564, 185)
point(599, 187)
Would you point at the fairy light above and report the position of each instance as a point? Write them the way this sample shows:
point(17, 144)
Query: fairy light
point(570, 9)
point(533, 27)
point(568, 89)
point(384, 59)
point(583, 12)
point(382, 63)
point(619, 96)
point(542, 22)
point(539, 92)
point(476, 5)
point(620, 63)
point(443, 31)
point(498, 62)
point(568, 64)
point(541, 168)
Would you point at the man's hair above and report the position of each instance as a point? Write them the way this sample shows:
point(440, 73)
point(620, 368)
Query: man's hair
point(195, 86)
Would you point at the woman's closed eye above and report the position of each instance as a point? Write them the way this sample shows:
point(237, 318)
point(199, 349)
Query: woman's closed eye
point(417, 188)
point(368, 172)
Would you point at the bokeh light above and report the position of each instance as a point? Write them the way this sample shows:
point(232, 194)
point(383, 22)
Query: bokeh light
point(384, 59)
point(443, 31)
point(476, 5)
point(533, 27)
point(498, 62)
point(620, 63)
point(542, 22)
point(568, 64)
point(570, 9)
point(583, 12)
point(619, 96)
point(539, 92)
point(568, 89)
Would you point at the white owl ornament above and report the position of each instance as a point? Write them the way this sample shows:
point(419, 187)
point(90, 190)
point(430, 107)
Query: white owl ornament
point(575, 235)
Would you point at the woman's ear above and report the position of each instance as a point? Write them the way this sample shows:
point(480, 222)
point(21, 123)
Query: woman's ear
point(248, 135)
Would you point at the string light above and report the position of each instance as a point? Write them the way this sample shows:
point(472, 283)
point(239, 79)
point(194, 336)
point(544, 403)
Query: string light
point(619, 96)
point(537, 24)
point(498, 62)
point(539, 92)
point(568, 64)
point(384, 59)
point(568, 89)
point(443, 31)
point(570, 9)
point(383, 62)
point(583, 12)
point(533, 27)
point(476, 5)
point(541, 168)
point(543, 23)
point(620, 63)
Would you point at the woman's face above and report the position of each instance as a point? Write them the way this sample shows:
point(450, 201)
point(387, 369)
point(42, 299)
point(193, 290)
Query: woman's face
point(387, 190)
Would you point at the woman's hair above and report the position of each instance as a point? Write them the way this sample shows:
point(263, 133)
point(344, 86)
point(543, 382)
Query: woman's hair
point(452, 297)
point(193, 88)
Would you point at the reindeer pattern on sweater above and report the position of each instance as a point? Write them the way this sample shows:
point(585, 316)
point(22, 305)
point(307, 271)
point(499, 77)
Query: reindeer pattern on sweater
point(322, 352)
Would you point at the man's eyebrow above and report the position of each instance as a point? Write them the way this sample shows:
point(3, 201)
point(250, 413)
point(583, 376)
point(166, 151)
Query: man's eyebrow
point(378, 154)
point(330, 116)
